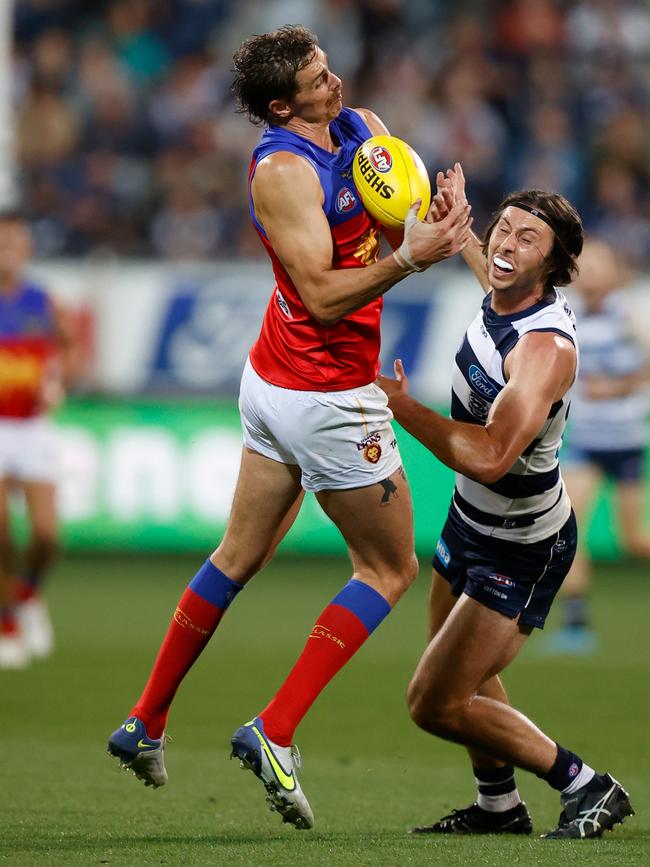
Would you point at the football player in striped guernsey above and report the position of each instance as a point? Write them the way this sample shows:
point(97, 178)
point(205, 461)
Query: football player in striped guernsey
point(607, 429)
point(510, 536)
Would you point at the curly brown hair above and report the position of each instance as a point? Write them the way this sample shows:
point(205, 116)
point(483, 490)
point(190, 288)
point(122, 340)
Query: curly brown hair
point(266, 67)
point(567, 232)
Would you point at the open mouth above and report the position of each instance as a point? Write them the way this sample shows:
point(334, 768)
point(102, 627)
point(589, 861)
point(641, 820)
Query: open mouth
point(502, 266)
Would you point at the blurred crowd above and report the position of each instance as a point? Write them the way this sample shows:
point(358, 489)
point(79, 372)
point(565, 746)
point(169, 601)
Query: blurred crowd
point(129, 143)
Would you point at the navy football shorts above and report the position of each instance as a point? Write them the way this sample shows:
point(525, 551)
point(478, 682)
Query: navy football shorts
point(620, 465)
point(515, 579)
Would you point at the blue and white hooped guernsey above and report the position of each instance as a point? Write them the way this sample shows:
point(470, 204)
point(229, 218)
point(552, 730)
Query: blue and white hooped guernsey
point(608, 348)
point(529, 502)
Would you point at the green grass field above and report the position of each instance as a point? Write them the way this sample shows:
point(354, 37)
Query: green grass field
point(368, 772)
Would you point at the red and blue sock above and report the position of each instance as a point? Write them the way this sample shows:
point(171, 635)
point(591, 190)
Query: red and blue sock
point(197, 615)
point(27, 587)
point(339, 632)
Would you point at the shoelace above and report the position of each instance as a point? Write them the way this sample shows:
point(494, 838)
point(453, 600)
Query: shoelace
point(455, 815)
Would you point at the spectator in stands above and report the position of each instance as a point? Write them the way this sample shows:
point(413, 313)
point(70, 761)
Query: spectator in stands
point(552, 83)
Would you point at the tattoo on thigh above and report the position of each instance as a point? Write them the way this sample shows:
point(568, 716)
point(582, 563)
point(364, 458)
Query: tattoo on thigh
point(402, 472)
point(390, 490)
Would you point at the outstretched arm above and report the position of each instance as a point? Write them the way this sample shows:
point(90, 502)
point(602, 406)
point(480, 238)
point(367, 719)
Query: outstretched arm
point(450, 190)
point(288, 202)
point(541, 368)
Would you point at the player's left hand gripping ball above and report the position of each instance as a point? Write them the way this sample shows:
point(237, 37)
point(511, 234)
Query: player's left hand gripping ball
point(390, 176)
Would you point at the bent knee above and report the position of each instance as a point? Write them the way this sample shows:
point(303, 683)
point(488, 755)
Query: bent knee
point(406, 574)
point(391, 580)
point(433, 713)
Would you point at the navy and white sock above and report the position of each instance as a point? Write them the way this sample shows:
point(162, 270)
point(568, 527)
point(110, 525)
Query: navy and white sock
point(497, 790)
point(569, 773)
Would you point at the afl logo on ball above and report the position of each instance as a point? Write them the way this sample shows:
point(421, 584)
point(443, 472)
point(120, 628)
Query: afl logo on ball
point(381, 159)
point(345, 200)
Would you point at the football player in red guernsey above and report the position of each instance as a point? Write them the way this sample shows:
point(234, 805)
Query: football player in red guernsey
point(37, 355)
point(312, 416)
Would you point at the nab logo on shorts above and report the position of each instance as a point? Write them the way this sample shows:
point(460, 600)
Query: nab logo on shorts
point(442, 552)
point(345, 200)
point(381, 159)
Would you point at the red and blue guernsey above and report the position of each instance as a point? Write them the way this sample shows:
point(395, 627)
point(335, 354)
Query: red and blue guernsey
point(27, 347)
point(293, 349)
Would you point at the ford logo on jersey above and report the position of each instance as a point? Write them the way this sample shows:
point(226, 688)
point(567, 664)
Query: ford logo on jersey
point(345, 200)
point(481, 383)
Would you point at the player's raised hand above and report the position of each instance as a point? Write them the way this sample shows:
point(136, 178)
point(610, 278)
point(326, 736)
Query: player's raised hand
point(454, 181)
point(428, 241)
point(442, 202)
point(431, 242)
point(412, 215)
point(403, 254)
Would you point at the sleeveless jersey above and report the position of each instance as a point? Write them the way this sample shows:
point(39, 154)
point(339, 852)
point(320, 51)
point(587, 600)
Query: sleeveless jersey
point(294, 350)
point(529, 502)
point(27, 348)
point(607, 348)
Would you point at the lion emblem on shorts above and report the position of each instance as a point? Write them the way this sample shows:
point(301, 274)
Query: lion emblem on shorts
point(372, 452)
point(371, 448)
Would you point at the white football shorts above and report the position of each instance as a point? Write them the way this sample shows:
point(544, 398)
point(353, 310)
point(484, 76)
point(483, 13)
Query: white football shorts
point(339, 439)
point(28, 449)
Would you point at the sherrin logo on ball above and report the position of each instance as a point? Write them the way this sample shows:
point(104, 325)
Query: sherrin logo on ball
point(389, 177)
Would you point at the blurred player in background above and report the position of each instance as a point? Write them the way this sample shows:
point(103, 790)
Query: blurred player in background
point(37, 358)
point(312, 415)
point(510, 536)
point(607, 428)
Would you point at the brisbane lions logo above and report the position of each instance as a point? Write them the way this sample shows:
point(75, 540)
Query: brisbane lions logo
point(371, 448)
point(381, 159)
point(345, 200)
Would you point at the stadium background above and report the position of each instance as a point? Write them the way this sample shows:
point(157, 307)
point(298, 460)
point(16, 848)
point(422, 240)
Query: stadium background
point(124, 149)
point(131, 163)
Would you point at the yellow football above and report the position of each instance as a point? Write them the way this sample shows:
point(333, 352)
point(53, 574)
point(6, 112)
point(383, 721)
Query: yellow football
point(390, 176)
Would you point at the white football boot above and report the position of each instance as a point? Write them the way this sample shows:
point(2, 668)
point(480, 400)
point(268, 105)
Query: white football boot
point(277, 767)
point(33, 617)
point(14, 652)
